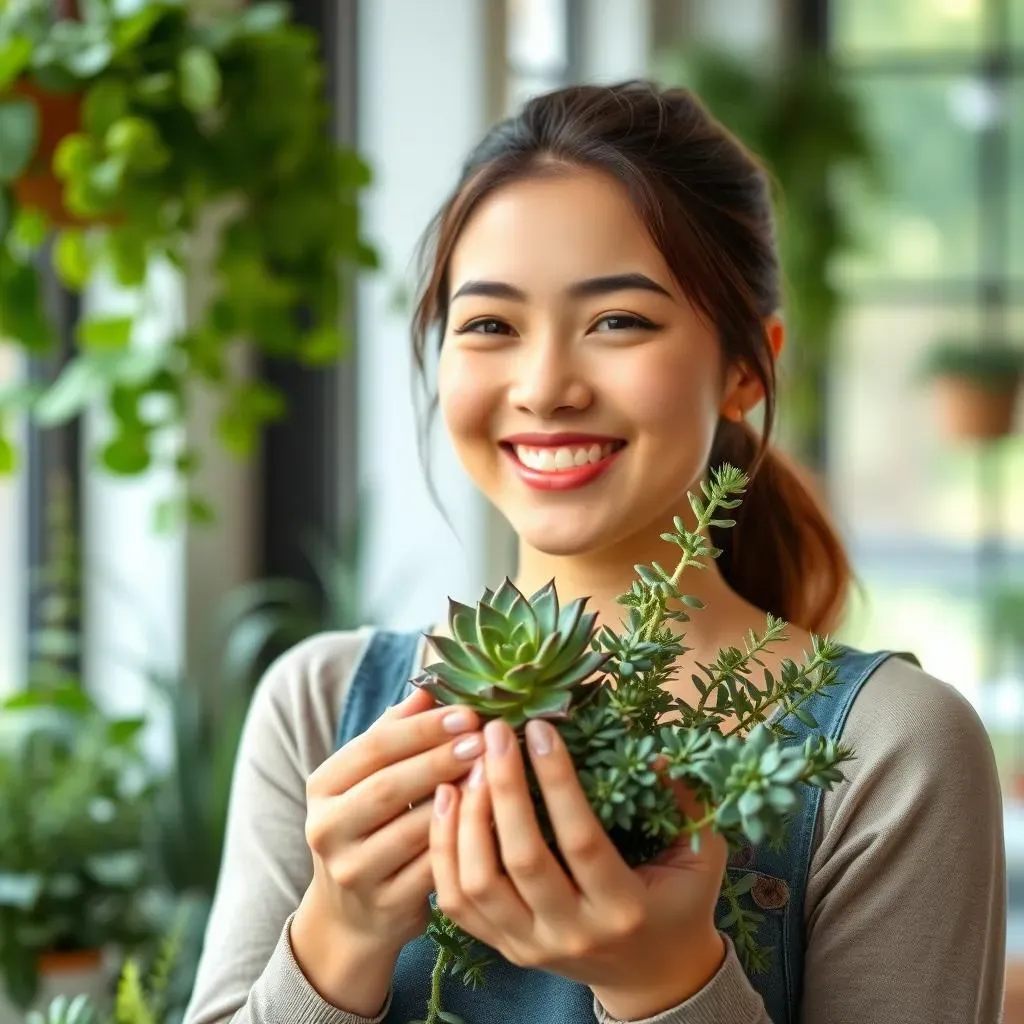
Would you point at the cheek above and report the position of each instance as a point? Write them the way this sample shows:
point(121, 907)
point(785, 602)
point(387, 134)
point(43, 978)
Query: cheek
point(465, 399)
point(673, 397)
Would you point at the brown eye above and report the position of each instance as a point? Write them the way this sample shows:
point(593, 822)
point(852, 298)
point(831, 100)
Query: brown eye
point(488, 326)
point(623, 323)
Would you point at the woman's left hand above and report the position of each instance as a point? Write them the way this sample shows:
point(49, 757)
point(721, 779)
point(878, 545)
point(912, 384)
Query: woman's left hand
point(643, 939)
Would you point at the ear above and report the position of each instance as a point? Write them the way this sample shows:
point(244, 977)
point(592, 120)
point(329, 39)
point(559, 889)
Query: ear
point(743, 390)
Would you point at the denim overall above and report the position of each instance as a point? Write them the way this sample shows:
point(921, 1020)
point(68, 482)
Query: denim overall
point(536, 997)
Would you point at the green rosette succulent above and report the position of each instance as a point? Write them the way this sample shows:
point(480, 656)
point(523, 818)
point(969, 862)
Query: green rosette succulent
point(514, 657)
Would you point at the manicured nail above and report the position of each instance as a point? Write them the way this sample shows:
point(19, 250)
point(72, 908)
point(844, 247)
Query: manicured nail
point(497, 734)
point(476, 776)
point(469, 747)
point(459, 720)
point(539, 736)
point(442, 800)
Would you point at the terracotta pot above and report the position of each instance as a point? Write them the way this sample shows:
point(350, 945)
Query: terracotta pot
point(972, 411)
point(83, 972)
point(60, 114)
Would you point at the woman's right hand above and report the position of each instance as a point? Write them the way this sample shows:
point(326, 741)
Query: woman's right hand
point(371, 861)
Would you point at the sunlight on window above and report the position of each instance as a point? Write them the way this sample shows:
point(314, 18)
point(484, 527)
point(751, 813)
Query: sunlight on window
point(12, 547)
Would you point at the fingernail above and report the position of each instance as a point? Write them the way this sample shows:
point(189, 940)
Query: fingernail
point(457, 721)
point(497, 734)
point(476, 776)
point(469, 747)
point(539, 737)
point(442, 800)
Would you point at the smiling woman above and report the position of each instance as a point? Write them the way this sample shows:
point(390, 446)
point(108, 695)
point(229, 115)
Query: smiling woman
point(601, 295)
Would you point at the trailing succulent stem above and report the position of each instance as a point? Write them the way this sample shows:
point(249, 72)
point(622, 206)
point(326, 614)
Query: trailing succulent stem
point(607, 692)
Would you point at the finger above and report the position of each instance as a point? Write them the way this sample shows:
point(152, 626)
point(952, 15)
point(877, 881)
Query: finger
point(531, 866)
point(376, 800)
point(413, 883)
point(414, 704)
point(598, 869)
point(388, 741)
point(385, 852)
point(481, 879)
point(444, 862)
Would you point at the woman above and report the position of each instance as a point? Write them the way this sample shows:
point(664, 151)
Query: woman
point(603, 291)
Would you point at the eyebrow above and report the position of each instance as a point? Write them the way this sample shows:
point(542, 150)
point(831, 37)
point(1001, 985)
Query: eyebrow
point(588, 288)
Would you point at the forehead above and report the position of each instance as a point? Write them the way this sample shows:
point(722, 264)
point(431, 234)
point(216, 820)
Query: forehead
point(547, 231)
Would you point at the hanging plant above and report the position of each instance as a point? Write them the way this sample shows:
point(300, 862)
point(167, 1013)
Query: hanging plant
point(120, 128)
point(977, 386)
point(807, 125)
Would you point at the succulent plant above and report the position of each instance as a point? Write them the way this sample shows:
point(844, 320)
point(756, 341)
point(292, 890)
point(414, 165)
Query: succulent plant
point(514, 657)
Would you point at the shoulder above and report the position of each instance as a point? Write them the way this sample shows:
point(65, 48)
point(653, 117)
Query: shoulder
point(921, 753)
point(298, 701)
point(911, 721)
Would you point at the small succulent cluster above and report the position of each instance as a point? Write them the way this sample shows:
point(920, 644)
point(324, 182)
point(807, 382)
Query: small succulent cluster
point(607, 693)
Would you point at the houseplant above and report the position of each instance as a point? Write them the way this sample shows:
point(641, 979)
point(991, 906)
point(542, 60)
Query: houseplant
point(74, 787)
point(605, 691)
point(189, 126)
point(977, 384)
point(800, 118)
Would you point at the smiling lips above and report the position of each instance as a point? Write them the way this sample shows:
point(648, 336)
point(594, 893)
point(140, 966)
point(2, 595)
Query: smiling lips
point(560, 462)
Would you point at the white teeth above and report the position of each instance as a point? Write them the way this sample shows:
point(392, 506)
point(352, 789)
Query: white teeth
point(551, 460)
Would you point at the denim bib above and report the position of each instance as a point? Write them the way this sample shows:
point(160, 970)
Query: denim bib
point(529, 996)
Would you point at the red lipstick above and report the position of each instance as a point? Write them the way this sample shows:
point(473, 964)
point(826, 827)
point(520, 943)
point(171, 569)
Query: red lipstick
point(567, 479)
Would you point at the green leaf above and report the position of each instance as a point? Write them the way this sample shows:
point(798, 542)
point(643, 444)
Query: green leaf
point(806, 717)
point(744, 885)
point(8, 456)
point(105, 103)
point(71, 258)
point(6, 206)
point(79, 383)
point(15, 54)
point(449, 1018)
point(105, 334)
point(200, 81)
point(136, 143)
point(324, 346)
point(74, 156)
point(264, 17)
point(128, 453)
point(19, 130)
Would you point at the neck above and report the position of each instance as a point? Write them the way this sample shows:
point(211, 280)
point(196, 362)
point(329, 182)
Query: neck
point(603, 575)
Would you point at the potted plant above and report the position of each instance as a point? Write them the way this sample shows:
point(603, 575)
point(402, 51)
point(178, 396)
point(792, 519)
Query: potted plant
point(976, 384)
point(163, 123)
point(74, 788)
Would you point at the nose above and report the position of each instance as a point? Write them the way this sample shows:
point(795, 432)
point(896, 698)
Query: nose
point(548, 380)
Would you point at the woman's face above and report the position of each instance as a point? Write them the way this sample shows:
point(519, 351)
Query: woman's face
point(580, 387)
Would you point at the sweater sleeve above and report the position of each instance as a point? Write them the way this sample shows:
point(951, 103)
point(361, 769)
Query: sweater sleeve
point(905, 908)
point(247, 972)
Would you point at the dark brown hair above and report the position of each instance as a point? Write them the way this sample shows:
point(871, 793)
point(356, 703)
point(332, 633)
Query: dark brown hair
point(706, 202)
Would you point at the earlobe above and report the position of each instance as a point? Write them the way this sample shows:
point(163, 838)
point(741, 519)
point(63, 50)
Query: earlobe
point(775, 331)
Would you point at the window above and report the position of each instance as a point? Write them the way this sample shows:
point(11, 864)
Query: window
point(935, 525)
point(13, 614)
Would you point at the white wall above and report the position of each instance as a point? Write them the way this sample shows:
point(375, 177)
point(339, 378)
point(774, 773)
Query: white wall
point(424, 101)
point(616, 39)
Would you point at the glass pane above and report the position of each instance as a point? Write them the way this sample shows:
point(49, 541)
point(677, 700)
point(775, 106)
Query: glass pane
point(1016, 114)
point(12, 547)
point(898, 476)
point(859, 25)
point(537, 40)
point(923, 222)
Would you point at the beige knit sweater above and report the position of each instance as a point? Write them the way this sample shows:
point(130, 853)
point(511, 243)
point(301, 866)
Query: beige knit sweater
point(905, 907)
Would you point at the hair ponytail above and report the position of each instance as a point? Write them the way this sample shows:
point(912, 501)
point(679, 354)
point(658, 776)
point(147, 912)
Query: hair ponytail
point(783, 555)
